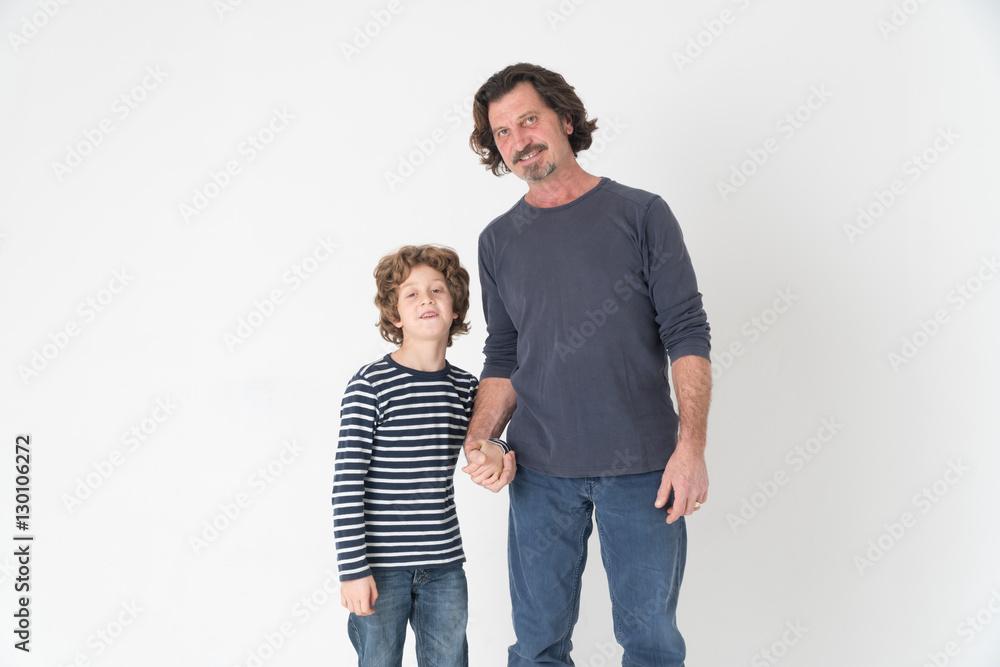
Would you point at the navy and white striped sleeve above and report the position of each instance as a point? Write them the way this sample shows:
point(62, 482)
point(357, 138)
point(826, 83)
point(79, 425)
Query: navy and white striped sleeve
point(358, 417)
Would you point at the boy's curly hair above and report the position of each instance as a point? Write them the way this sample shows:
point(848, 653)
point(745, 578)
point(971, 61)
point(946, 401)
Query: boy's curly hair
point(393, 270)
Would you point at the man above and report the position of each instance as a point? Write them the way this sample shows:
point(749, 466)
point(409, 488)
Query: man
point(587, 289)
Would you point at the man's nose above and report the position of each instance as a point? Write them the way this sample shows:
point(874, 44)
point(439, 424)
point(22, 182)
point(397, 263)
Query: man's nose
point(521, 138)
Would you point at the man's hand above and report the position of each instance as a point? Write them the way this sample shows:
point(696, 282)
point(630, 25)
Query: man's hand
point(359, 595)
point(488, 466)
point(687, 474)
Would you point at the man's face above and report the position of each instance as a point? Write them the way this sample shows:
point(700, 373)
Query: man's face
point(531, 137)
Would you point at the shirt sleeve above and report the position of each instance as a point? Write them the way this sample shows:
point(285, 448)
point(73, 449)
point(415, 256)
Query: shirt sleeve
point(501, 334)
point(673, 288)
point(358, 416)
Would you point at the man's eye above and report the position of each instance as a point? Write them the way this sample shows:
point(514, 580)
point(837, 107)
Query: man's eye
point(529, 120)
point(501, 133)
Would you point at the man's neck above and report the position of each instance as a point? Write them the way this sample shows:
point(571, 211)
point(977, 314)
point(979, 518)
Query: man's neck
point(557, 189)
point(421, 355)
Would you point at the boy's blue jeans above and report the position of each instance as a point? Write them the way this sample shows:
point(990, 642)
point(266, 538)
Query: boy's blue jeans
point(550, 521)
point(435, 602)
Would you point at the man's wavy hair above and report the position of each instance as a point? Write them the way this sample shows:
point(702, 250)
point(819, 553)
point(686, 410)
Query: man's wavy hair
point(554, 91)
point(393, 270)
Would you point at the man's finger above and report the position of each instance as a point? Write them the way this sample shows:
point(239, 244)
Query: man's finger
point(681, 507)
point(510, 463)
point(662, 494)
point(475, 459)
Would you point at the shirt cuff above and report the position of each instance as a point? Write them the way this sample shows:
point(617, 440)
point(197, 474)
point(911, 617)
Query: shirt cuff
point(503, 445)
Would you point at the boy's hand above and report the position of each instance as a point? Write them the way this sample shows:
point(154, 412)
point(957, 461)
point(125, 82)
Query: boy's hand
point(359, 595)
point(488, 466)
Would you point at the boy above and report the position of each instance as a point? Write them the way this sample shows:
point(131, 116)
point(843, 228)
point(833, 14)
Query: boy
point(403, 422)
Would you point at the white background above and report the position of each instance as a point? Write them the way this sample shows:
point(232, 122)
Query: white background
point(675, 127)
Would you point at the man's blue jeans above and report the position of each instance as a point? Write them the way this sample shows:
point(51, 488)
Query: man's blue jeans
point(436, 604)
point(550, 521)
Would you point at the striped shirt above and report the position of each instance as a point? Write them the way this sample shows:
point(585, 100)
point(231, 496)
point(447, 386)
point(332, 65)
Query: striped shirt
point(393, 492)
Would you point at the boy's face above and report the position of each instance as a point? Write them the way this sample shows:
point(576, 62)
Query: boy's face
point(424, 305)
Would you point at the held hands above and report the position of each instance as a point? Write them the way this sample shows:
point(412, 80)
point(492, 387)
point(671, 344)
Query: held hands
point(488, 466)
point(687, 474)
point(359, 595)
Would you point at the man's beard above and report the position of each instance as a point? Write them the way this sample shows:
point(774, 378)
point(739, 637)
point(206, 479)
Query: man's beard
point(536, 172)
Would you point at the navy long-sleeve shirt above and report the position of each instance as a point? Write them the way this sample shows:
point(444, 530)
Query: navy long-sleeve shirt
point(393, 488)
point(583, 303)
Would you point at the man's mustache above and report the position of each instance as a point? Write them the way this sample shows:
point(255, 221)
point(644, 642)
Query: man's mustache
point(530, 149)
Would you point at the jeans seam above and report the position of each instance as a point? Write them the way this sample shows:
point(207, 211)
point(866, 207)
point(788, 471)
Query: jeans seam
point(616, 616)
point(417, 635)
point(576, 594)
